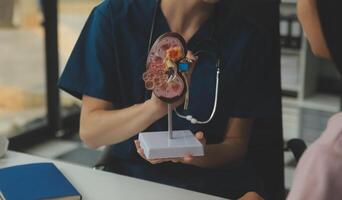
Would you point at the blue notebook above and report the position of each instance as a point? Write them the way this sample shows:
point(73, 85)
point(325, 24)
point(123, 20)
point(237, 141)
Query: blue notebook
point(35, 182)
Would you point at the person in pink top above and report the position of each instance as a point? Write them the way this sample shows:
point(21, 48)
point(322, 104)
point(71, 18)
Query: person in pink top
point(319, 172)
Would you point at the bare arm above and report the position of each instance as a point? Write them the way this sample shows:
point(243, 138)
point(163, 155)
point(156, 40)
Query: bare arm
point(231, 150)
point(101, 125)
point(309, 18)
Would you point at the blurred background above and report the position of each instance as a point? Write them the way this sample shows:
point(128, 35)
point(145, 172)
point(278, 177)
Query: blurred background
point(22, 60)
point(311, 87)
point(24, 83)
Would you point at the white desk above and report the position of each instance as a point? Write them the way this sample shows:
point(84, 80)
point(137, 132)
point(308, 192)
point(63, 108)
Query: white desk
point(99, 185)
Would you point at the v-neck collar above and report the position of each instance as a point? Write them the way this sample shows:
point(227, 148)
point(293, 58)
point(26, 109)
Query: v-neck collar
point(204, 32)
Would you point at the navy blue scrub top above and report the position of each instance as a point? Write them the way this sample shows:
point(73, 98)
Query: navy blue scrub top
point(109, 59)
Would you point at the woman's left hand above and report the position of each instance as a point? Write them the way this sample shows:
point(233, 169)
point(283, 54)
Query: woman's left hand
point(187, 159)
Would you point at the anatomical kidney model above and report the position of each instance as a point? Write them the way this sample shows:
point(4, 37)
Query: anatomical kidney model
point(166, 75)
point(166, 68)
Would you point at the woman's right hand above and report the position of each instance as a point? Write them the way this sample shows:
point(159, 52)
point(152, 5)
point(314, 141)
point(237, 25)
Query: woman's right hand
point(101, 125)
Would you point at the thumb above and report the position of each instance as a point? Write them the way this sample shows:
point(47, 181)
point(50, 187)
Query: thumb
point(200, 136)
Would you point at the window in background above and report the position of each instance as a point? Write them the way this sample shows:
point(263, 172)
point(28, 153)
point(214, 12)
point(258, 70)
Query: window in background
point(22, 74)
point(72, 17)
point(22, 58)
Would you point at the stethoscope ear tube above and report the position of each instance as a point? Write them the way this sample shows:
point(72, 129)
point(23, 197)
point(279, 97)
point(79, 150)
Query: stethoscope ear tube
point(193, 120)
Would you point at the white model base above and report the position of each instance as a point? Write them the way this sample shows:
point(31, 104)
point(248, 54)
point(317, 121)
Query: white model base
point(158, 145)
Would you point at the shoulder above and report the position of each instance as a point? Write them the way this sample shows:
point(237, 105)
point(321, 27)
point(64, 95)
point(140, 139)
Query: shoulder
point(233, 18)
point(333, 132)
point(250, 28)
point(317, 177)
point(335, 122)
point(240, 36)
point(329, 161)
point(235, 28)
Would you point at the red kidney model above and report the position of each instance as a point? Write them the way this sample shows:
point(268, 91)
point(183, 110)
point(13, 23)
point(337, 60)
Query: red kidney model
point(162, 74)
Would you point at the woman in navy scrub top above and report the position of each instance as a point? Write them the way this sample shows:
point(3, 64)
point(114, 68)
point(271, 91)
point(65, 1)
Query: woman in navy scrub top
point(105, 71)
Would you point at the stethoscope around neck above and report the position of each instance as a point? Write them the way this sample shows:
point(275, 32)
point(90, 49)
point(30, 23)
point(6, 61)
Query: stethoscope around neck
point(190, 118)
